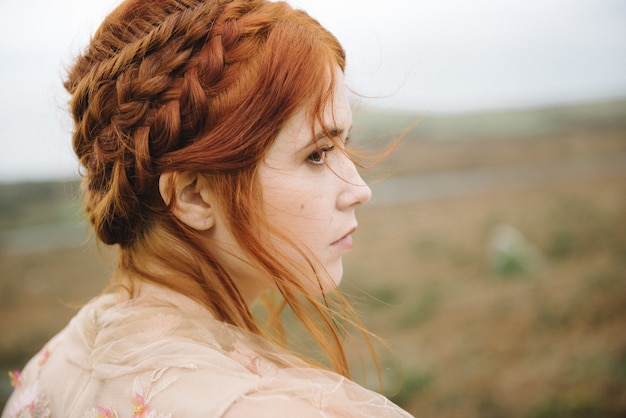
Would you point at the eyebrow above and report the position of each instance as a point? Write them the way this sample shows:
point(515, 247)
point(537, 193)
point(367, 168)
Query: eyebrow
point(332, 132)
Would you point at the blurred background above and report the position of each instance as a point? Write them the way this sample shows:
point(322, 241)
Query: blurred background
point(492, 257)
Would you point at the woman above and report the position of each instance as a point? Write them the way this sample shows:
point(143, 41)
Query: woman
point(212, 136)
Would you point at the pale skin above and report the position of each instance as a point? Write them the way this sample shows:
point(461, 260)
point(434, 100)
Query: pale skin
point(311, 190)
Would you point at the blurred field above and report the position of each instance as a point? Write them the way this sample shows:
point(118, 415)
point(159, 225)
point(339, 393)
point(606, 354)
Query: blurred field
point(504, 295)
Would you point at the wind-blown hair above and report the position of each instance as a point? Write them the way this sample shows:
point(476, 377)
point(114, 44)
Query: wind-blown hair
point(192, 86)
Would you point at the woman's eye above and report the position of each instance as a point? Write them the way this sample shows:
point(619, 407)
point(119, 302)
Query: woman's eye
point(318, 157)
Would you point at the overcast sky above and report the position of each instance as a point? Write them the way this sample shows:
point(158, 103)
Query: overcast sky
point(422, 55)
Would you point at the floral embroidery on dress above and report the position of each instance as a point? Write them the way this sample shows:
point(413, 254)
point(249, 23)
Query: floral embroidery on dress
point(15, 376)
point(30, 403)
point(139, 402)
point(31, 400)
point(101, 412)
point(45, 354)
point(141, 399)
point(142, 410)
point(140, 406)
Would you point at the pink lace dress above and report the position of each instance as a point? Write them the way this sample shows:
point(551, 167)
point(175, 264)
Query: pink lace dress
point(163, 355)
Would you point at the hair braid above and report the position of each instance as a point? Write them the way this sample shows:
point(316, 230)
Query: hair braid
point(139, 92)
point(204, 87)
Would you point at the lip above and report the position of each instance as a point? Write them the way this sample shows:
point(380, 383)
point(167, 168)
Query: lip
point(345, 242)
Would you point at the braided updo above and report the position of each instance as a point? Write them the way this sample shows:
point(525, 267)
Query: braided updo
point(200, 87)
point(186, 85)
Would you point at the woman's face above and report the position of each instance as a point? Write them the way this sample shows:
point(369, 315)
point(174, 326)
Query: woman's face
point(311, 188)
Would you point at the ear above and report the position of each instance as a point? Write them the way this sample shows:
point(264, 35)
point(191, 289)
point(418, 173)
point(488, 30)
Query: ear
point(193, 203)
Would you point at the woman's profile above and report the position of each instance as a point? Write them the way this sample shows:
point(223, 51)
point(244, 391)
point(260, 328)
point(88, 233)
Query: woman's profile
point(213, 142)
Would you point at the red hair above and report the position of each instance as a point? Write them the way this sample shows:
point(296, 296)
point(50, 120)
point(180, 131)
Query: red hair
point(204, 87)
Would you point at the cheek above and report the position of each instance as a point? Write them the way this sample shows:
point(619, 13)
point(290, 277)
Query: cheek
point(299, 214)
point(298, 206)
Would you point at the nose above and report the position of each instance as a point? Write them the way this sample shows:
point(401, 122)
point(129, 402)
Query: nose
point(354, 190)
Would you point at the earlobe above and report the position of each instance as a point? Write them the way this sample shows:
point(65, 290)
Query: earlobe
point(188, 198)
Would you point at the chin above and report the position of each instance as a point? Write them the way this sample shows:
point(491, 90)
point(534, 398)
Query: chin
point(334, 277)
point(329, 275)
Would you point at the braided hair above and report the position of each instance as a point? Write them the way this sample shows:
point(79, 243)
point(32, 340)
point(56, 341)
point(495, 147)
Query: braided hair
point(180, 85)
point(200, 86)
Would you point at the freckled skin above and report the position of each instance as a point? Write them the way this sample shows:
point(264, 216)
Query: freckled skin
point(326, 194)
point(310, 193)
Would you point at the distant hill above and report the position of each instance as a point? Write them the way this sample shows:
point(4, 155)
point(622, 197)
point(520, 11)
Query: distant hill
point(38, 203)
point(511, 123)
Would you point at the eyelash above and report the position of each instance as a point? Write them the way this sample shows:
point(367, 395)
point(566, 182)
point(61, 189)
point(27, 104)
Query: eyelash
point(318, 157)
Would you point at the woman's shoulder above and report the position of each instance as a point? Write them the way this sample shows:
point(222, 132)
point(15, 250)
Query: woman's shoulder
point(288, 392)
point(116, 335)
point(119, 355)
point(152, 354)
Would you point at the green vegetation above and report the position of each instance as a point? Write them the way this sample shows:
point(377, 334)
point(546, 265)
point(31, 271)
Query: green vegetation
point(412, 385)
point(559, 407)
point(32, 204)
point(513, 123)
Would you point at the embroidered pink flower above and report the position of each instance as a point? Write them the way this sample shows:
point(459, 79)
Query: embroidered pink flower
point(140, 406)
point(15, 376)
point(29, 402)
point(101, 412)
point(104, 412)
point(45, 354)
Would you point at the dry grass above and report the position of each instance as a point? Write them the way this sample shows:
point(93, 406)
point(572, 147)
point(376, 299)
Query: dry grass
point(476, 342)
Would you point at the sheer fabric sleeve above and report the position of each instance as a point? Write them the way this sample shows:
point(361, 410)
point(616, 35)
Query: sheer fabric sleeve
point(277, 407)
point(314, 393)
point(160, 356)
